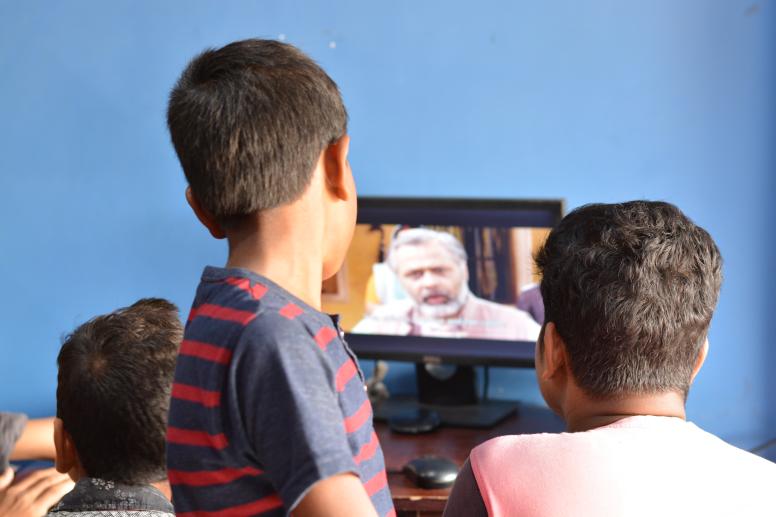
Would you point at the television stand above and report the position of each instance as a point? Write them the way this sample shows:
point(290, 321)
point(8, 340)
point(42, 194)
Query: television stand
point(481, 415)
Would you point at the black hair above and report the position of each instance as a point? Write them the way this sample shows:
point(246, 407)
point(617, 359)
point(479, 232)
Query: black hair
point(113, 390)
point(631, 288)
point(248, 122)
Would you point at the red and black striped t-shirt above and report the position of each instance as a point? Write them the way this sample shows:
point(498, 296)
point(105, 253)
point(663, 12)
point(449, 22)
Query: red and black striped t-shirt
point(267, 400)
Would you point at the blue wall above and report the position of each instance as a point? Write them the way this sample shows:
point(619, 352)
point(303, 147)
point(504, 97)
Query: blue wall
point(589, 101)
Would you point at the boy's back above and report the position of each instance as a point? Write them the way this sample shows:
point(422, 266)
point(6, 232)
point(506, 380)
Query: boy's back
point(637, 466)
point(260, 378)
point(629, 291)
point(113, 394)
point(269, 412)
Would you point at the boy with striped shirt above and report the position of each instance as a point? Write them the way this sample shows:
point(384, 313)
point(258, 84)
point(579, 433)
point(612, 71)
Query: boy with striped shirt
point(269, 413)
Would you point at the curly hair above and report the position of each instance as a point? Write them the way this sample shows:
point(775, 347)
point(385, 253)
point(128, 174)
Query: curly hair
point(631, 288)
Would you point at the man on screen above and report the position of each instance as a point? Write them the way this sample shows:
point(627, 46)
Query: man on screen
point(431, 268)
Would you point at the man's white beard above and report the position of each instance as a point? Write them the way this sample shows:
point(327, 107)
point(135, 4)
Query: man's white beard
point(445, 310)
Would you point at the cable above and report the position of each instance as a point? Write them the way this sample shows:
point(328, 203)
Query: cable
point(485, 382)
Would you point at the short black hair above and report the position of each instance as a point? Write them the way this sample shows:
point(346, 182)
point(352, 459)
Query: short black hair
point(113, 390)
point(248, 122)
point(631, 288)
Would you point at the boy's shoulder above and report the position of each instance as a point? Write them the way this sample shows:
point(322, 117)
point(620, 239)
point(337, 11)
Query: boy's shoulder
point(243, 290)
point(636, 456)
point(251, 310)
point(639, 451)
point(633, 437)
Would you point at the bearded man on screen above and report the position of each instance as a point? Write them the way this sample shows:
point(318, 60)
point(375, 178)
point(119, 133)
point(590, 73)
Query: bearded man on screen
point(431, 268)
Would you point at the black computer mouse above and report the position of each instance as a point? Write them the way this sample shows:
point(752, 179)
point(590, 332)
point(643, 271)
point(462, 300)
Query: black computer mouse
point(431, 472)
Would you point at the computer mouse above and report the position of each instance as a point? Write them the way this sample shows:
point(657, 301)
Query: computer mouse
point(431, 472)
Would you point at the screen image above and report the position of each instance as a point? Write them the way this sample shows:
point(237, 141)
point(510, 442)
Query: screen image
point(439, 281)
point(443, 280)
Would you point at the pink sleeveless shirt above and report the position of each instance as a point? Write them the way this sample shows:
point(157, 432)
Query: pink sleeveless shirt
point(638, 466)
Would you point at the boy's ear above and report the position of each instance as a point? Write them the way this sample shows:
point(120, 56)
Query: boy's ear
point(553, 353)
point(205, 217)
point(701, 359)
point(66, 456)
point(337, 169)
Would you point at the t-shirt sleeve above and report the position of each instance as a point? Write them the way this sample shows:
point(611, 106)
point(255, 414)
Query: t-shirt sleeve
point(465, 499)
point(291, 412)
point(11, 427)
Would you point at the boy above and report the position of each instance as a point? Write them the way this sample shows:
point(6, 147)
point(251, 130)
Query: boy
point(113, 391)
point(269, 412)
point(629, 290)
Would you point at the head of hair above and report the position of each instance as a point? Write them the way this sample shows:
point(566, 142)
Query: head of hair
point(422, 236)
point(113, 390)
point(631, 288)
point(248, 122)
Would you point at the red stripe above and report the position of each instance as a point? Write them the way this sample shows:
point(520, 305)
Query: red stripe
point(359, 418)
point(290, 311)
point(209, 477)
point(262, 505)
point(257, 291)
point(210, 310)
point(367, 450)
point(377, 483)
point(206, 351)
point(198, 438)
point(324, 337)
point(198, 395)
point(391, 513)
point(345, 373)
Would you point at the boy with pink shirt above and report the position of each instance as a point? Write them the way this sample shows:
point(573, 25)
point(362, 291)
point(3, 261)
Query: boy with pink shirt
point(629, 290)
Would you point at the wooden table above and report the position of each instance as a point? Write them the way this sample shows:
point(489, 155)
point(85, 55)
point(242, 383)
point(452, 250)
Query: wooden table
point(452, 443)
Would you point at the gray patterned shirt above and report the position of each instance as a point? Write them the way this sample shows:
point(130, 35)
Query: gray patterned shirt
point(93, 497)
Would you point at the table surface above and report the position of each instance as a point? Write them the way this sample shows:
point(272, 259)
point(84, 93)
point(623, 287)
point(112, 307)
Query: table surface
point(454, 444)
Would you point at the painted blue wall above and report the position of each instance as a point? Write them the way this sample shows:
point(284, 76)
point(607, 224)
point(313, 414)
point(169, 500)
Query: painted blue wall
point(589, 101)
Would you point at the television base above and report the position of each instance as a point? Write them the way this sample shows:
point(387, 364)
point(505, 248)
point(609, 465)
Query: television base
point(482, 415)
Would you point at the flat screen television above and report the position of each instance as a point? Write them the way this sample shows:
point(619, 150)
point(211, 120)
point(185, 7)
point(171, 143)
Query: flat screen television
point(443, 281)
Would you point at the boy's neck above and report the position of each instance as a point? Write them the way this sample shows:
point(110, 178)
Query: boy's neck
point(283, 247)
point(78, 472)
point(586, 413)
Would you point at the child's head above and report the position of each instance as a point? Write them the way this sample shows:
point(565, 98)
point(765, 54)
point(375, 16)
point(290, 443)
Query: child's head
point(251, 122)
point(115, 376)
point(630, 289)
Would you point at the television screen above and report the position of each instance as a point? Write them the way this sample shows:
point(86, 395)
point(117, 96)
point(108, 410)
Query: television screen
point(452, 280)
